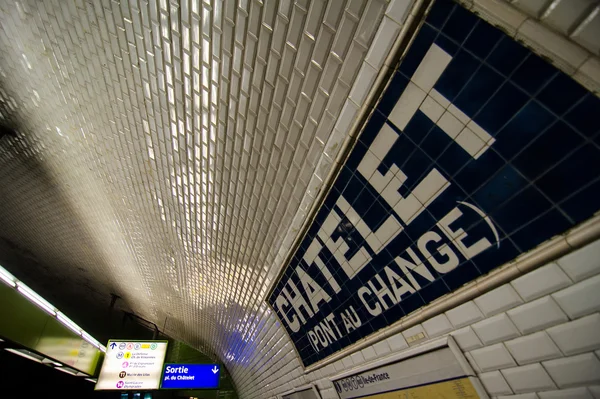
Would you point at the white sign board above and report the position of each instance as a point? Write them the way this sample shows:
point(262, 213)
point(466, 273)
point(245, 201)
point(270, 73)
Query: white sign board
point(434, 370)
point(132, 365)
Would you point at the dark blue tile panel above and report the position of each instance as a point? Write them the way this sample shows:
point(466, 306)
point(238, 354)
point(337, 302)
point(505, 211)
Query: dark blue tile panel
point(538, 177)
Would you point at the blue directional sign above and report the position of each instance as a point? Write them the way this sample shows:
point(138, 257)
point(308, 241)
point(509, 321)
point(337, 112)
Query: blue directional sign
point(191, 376)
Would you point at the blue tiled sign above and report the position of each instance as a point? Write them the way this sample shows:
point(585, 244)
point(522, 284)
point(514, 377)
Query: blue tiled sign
point(479, 150)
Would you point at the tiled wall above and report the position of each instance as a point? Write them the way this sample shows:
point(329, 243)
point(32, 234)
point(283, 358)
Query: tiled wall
point(537, 337)
point(471, 117)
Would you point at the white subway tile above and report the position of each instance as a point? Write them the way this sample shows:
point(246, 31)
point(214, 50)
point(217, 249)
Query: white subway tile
point(347, 363)
point(438, 325)
point(465, 314)
point(577, 336)
point(357, 358)
point(542, 281)
point(397, 10)
point(493, 358)
point(533, 348)
point(561, 47)
point(537, 315)
point(530, 378)
point(495, 329)
point(499, 14)
point(384, 38)
point(498, 300)
point(521, 396)
point(575, 370)
point(339, 366)
point(494, 383)
point(409, 337)
point(580, 299)
point(369, 353)
point(397, 342)
point(382, 348)
point(466, 339)
point(349, 111)
point(583, 263)
point(588, 73)
point(362, 85)
point(573, 393)
point(473, 363)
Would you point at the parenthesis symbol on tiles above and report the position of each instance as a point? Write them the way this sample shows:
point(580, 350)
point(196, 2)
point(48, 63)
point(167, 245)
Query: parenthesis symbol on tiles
point(486, 218)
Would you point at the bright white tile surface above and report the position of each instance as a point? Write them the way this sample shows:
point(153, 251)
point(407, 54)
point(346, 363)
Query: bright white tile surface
point(537, 315)
point(382, 348)
point(581, 298)
point(369, 353)
point(397, 342)
point(530, 378)
point(498, 300)
point(397, 10)
point(465, 314)
point(466, 339)
point(574, 371)
point(573, 393)
point(560, 47)
point(533, 348)
point(577, 336)
point(493, 357)
point(387, 32)
point(582, 263)
point(438, 325)
point(520, 396)
point(542, 281)
point(495, 329)
point(221, 103)
point(494, 383)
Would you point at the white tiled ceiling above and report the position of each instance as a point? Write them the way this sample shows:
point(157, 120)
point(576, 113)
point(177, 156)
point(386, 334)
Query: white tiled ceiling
point(166, 151)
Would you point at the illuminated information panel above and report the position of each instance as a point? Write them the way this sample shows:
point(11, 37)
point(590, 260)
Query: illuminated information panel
point(191, 376)
point(132, 365)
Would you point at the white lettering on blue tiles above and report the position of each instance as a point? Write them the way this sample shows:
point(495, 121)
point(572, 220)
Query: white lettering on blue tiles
point(399, 229)
point(434, 251)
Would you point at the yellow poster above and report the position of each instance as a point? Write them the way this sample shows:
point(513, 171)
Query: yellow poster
point(455, 389)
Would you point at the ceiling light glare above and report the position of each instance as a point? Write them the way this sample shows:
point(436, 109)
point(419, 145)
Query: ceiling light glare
point(7, 277)
point(35, 298)
point(69, 323)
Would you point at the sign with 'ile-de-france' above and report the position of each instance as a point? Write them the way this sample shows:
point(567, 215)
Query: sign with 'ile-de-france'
point(478, 151)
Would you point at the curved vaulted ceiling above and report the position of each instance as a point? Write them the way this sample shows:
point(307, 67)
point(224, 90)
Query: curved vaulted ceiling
point(168, 152)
